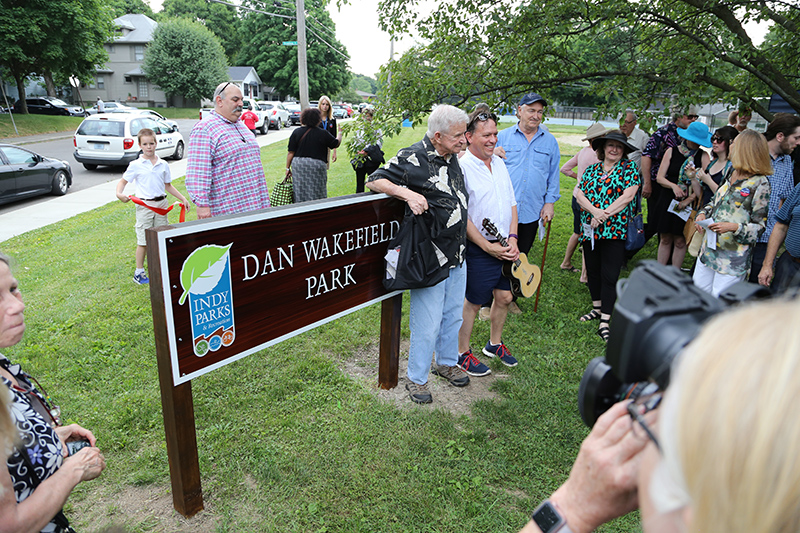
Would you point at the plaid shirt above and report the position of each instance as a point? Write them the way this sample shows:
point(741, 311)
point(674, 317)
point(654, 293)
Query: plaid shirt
point(224, 169)
point(782, 184)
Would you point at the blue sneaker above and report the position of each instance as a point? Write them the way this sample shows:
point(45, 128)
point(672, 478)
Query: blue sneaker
point(500, 351)
point(472, 366)
point(141, 279)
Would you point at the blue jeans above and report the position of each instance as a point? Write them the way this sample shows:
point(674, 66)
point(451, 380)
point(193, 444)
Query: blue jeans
point(435, 317)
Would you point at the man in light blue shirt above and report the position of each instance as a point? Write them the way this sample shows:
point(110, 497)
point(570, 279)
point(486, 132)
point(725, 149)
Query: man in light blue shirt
point(533, 161)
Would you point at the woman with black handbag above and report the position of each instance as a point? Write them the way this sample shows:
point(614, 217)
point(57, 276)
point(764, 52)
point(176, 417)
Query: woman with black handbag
point(606, 194)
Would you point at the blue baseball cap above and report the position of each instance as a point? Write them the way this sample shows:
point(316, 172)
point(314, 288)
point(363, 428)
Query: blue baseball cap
point(532, 98)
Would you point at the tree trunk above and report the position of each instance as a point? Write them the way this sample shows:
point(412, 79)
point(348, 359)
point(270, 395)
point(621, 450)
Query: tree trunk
point(48, 81)
point(21, 90)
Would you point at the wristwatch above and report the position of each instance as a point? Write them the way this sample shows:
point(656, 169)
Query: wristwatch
point(549, 519)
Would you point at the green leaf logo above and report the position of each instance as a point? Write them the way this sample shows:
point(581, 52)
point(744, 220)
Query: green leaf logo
point(203, 269)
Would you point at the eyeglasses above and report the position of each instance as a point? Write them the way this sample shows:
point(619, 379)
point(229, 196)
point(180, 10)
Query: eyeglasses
point(716, 139)
point(481, 117)
point(640, 407)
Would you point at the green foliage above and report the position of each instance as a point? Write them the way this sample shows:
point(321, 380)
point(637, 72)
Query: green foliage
point(63, 37)
point(130, 7)
point(220, 19)
point(347, 95)
point(185, 58)
point(633, 54)
point(359, 82)
point(277, 64)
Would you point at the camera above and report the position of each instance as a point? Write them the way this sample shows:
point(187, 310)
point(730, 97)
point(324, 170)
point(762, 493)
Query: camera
point(658, 312)
point(75, 446)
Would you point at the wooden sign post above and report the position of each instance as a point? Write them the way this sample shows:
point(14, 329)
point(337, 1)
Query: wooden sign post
point(214, 282)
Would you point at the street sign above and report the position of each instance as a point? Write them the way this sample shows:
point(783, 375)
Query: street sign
point(289, 43)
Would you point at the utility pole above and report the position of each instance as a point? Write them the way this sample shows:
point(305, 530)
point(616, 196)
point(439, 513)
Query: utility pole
point(302, 67)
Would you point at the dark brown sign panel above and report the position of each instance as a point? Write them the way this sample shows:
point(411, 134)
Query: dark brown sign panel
point(235, 285)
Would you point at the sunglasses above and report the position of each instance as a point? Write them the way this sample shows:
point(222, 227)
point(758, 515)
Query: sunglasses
point(481, 117)
point(692, 117)
point(716, 139)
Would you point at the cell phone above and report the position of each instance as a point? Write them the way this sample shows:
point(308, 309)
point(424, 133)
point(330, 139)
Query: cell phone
point(76, 445)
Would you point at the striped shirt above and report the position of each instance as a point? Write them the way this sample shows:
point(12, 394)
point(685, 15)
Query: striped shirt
point(224, 170)
point(789, 214)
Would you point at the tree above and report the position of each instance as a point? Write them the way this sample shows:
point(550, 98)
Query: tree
point(130, 7)
point(185, 59)
point(277, 64)
point(687, 51)
point(359, 82)
point(219, 18)
point(58, 38)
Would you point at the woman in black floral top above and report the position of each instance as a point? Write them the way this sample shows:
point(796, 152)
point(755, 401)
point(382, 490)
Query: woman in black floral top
point(606, 194)
point(41, 472)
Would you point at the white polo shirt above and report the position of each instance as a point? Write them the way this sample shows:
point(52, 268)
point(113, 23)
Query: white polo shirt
point(491, 194)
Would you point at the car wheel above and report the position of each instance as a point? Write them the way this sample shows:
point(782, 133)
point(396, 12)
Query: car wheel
point(286, 124)
point(279, 124)
point(264, 127)
point(88, 166)
point(60, 183)
point(178, 155)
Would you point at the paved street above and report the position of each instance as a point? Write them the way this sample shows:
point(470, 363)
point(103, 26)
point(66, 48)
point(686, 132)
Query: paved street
point(90, 189)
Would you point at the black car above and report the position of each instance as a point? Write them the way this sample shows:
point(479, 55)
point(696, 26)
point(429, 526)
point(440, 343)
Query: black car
point(24, 173)
point(48, 105)
point(294, 113)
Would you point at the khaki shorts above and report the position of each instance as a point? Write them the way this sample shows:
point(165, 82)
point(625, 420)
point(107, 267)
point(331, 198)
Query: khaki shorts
point(145, 218)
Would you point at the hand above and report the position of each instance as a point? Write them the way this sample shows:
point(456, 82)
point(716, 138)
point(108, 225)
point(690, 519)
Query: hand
point(547, 213)
point(186, 204)
point(89, 462)
point(71, 433)
point(333, 157)
point(698, 218)
point(679, 193)
point(416, 202)
point(682, 205)
point(499, 152)
point(122, 198)
point(203, 212)
point(765, 276)
point(647, 189)
point(723, 227)
point(602, 483)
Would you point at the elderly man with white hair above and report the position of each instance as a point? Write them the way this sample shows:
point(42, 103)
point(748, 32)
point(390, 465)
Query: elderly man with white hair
point(427, 176)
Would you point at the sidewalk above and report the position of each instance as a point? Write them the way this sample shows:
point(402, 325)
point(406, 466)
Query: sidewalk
point(71, 204)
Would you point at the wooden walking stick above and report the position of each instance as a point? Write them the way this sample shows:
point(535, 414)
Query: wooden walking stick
point(544, 255)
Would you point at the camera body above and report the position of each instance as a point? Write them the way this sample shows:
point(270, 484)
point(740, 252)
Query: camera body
point(75, 446)
point(658, 312)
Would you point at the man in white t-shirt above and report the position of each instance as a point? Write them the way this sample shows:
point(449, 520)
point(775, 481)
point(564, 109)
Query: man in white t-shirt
point(491, 196)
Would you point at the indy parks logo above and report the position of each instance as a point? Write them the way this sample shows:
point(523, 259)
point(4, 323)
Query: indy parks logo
point(206, 282)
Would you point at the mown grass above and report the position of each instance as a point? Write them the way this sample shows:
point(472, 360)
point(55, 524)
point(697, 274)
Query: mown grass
point(287, 441)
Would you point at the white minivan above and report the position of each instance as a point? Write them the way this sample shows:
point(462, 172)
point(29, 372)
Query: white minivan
point(110, 139)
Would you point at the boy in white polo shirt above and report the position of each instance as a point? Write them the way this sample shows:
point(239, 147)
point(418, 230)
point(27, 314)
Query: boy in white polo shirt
point(153, 180)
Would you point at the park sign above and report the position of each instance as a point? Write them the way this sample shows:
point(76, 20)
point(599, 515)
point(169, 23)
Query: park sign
point(234, 285)
point(226, 287)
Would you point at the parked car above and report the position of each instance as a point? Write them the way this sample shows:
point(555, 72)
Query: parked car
point(110, 139)
point(339, 111)
point(24, 173)
point(277, 114)
point(294, 113)
point(159, 116)
point(111, 107)
point(48, 105)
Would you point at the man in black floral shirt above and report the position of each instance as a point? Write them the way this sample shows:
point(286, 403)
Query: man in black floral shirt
point(428, 177)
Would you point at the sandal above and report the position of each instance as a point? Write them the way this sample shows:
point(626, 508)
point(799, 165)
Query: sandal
point(570, 269)
point(594, 314)
point(603, 331)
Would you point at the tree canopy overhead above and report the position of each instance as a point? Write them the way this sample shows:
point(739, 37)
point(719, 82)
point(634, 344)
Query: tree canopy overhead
point(220, 19)
point(185, 58)
point(632, 53)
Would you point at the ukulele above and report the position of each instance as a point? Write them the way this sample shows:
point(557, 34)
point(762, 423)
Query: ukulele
point(524, 277)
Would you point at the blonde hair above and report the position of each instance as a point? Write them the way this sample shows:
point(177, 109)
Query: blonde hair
point(330, 106)
point(750, 154)
point(738, 420)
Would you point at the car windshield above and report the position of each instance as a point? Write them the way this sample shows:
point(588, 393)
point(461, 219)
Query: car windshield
point(56, 101)
point(102, 128)
point(292, 107)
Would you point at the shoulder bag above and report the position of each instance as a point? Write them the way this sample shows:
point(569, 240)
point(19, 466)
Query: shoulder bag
point(417, 264)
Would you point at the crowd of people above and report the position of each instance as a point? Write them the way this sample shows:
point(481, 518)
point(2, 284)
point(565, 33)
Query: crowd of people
point(485, 194)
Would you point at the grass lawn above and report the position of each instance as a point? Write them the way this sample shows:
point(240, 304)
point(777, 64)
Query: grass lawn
point(290, 439)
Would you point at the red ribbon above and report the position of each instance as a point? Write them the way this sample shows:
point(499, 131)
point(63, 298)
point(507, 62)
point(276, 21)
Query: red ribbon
point(159, 210)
